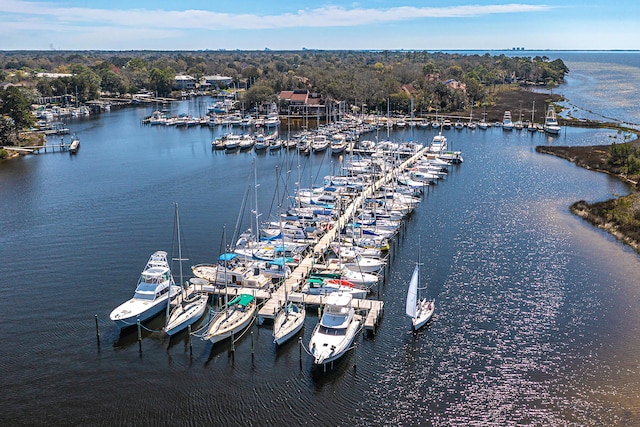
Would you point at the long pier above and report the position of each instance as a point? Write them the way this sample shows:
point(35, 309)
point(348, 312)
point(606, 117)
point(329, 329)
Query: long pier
point(37, 148)
point(290, 288)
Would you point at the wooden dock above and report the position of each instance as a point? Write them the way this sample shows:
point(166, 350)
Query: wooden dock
point(290, 288)
point(37, 148)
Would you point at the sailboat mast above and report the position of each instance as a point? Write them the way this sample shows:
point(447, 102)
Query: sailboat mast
point(255, 187)
point(179, 244)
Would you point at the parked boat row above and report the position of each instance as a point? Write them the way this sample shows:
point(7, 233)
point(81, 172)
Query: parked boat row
point(330, 242)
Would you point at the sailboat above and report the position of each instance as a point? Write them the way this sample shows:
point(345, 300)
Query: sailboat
point(288, 321)
point(237, 315)
point(483, 123)
point(190, 305)
point(532, 125)
point(418, 309)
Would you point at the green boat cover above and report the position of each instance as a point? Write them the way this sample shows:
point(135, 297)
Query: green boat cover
point(242, 299)
point(325, 275)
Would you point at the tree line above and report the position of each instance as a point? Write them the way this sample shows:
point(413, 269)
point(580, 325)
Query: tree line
point(373, 79)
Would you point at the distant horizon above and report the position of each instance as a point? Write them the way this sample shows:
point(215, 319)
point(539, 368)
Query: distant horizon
point(331, 25)
point(319, 50)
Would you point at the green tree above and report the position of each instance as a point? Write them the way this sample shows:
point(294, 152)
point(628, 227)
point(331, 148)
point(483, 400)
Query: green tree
point(14, 103)
point(259, 94)
point(87, 85)
point(7, 131)
point(160, 81)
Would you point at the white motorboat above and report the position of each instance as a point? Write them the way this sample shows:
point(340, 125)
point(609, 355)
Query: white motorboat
point(319, 143)
point(261, 142)
point(232, 142)
point(338, 144)
point(288, 322)
point(327, 286)
point(551, 125)
point(418, 309)
point(246, 142)
point(151, 294)
point(235, 317)
point(75, 145)
point(334, 334)
point(438, 144)
point(507, 123)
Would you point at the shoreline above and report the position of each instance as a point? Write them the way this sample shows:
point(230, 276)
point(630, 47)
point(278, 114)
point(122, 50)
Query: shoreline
point(620, 217)
point(608, 216)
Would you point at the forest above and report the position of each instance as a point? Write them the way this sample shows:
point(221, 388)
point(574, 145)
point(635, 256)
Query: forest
point(370, 78)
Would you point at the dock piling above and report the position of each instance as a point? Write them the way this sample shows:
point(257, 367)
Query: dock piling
point(97, 331)
point(233, 344)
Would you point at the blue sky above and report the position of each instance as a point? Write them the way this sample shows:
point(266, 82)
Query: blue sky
point(334, 24)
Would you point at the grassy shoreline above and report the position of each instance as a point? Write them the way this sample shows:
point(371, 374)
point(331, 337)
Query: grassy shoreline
point(620, 216)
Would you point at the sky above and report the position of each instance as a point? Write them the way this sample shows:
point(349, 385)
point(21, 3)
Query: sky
point(328, 25)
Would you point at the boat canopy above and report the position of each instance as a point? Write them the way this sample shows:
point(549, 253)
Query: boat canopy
point(242, 300)
point(280, 261)
point(227, 257)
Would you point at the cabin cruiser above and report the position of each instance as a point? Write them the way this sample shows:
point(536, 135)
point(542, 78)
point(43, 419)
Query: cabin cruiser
point(154, 289)
point(334, 334)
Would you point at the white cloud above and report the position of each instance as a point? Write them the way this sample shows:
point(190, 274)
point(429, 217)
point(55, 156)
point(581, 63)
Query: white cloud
point(329, 16)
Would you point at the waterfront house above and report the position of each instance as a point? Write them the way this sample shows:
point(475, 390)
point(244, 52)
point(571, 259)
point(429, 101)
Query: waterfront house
point(184, 81)
point(217, 81)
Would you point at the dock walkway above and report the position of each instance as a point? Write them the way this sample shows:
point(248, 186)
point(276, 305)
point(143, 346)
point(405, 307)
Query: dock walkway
point(289, 290)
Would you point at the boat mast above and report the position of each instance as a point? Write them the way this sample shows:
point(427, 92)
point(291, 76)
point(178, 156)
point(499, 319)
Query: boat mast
point(256, 213)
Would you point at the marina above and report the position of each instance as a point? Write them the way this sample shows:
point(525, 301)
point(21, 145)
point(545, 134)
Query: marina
point(532, 317)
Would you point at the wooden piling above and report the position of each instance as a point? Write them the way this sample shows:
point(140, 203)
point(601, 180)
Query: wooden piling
point(97, 331)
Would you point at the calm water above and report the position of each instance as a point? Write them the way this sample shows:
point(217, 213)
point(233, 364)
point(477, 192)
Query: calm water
point(536, 320)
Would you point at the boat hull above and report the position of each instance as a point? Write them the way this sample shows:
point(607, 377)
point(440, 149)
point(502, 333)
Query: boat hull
point(226, 326)
point(186, 315)
point(424, 311)
point(128, 313)
point(340, 348)
point(287, 325)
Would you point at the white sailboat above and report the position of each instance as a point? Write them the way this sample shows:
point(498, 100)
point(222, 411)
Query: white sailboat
point(190, 305)
point(418, 309)
point(532, 124)
point(236, 316)
point(288, 321)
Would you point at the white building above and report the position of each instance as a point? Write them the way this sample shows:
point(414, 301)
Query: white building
point(217, 81)
point(184, 81)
